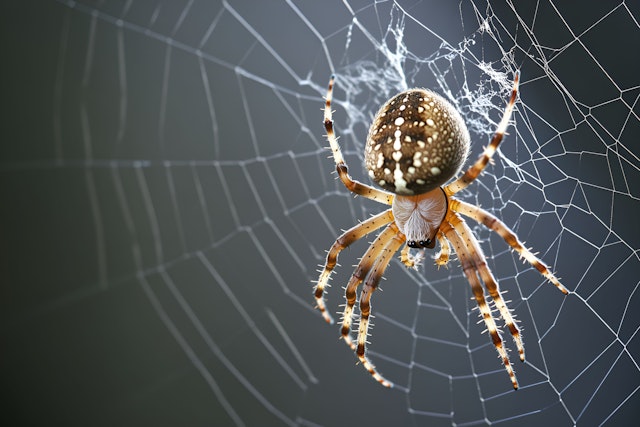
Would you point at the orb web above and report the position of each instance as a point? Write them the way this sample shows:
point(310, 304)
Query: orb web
point(175, 195)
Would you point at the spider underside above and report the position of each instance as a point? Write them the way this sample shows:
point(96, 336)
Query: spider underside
point(416, 144)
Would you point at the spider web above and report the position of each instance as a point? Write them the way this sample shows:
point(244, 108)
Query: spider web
point(167, 195)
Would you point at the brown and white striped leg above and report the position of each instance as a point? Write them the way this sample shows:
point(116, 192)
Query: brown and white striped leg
point(493, 223)
point(490, 282)
point(341, 167)
point(346, 239)
point(475, 170)
point(364, 266)
point(368, 288)
point(442, 257)
point(470, 271)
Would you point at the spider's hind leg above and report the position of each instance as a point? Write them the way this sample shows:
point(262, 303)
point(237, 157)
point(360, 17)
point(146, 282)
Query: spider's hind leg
point(367, 262)
point(489, 281)
point(347, 238)
point(368, 288)
point(471, 272)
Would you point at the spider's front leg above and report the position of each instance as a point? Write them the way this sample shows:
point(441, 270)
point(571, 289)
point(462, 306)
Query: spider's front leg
point(476, 169)
point(341, 167)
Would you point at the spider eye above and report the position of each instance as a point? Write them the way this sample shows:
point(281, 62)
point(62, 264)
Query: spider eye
point(425, 243)
point(413, 244)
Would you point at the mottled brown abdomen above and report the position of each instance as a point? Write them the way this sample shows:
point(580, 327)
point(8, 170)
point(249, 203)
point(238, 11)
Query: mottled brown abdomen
point(417, 142)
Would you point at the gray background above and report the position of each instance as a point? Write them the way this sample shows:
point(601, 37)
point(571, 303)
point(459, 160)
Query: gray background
point(165, 198)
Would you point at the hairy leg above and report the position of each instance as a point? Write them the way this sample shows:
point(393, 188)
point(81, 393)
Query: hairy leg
point(341, 167)
point(493, 223)
point(368, 288)
point(472, 173)
point(490, 282)
point(346, 239)
point(364, 266)
point(470, 271)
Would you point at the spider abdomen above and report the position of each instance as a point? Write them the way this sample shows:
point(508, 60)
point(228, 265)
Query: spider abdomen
point(416, 143)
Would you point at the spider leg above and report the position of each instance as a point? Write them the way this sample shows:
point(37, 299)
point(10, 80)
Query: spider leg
point(364, 266)
point(442, 257)
point(341, 167)
point(346, 239)
point(490, 282)
point(365, 301)
point(493, 223)
point(470, 271)
point(472, 173)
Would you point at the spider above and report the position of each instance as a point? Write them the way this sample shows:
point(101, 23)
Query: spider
point(416, 144)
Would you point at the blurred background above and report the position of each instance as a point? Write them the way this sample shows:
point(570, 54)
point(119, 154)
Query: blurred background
point(166, 197)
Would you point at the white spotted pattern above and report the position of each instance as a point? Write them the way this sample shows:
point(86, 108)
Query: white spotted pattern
point(416, 143)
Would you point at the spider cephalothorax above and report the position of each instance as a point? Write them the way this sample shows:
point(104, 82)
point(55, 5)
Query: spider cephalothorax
point(417, 143)
point(419, 217)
